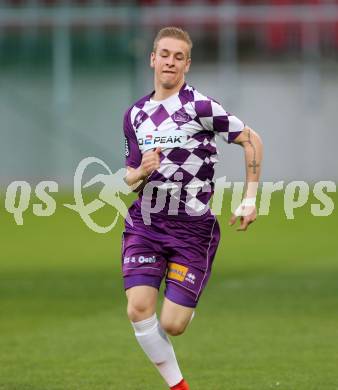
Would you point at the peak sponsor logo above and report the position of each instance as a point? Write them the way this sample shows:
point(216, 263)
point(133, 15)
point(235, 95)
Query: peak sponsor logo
point(162, 140)
point(177, 272)
point(148, 140)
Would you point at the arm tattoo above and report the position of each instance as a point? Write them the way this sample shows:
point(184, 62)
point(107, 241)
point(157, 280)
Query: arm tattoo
point(253, 164)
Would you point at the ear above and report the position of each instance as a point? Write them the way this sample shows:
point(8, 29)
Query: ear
point(152, 59)
point(187, 65)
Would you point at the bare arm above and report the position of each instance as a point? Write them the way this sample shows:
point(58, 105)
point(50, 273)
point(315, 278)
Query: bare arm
point(253, 150)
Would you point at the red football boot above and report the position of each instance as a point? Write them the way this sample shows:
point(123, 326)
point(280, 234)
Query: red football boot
point(183, 385)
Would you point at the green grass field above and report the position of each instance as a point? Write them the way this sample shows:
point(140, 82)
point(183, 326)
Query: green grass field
point(267, 320)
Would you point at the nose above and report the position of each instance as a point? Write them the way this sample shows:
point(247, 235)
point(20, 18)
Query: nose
point(170, 61)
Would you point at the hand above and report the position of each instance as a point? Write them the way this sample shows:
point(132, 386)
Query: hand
point(247, 215)
point(150, 162)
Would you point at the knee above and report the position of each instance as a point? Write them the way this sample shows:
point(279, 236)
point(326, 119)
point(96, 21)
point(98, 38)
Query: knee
point(173, 328)
point(138, 310)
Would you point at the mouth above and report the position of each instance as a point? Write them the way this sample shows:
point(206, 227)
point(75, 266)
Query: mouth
point(168, 72)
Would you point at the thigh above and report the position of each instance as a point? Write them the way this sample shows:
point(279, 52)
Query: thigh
point(146, 294)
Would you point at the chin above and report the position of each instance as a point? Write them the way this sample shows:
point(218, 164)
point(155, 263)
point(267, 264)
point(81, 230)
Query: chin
point(169, 84)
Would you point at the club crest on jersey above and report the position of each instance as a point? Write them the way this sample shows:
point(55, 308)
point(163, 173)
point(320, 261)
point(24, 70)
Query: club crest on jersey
point(181, 117)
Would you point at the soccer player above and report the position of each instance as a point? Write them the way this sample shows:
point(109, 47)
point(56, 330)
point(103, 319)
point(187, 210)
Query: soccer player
point(170, 155)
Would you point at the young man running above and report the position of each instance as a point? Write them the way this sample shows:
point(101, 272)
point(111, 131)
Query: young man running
point(170, 156)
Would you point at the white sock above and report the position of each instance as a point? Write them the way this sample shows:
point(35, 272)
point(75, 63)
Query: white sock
point(157, 346)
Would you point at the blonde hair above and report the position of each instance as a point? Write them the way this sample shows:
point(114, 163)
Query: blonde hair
point(173, 32)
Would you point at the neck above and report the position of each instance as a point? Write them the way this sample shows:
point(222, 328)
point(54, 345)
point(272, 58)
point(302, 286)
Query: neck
point(162, 93)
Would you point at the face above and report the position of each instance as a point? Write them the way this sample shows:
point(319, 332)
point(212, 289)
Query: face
point(170, 62)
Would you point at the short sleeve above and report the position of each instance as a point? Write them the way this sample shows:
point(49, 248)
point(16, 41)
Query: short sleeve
point(213, 117)
point(132, 152)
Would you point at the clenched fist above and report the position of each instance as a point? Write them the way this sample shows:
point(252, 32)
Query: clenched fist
point(150, 162)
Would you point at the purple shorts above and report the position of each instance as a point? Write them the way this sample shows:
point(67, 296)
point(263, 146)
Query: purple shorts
point(182, 251)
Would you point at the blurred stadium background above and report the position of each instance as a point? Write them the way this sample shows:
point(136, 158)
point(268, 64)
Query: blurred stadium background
point(68, 71)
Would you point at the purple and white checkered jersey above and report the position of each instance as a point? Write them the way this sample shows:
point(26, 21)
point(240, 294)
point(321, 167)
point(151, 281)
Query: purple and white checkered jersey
point(184, 126)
